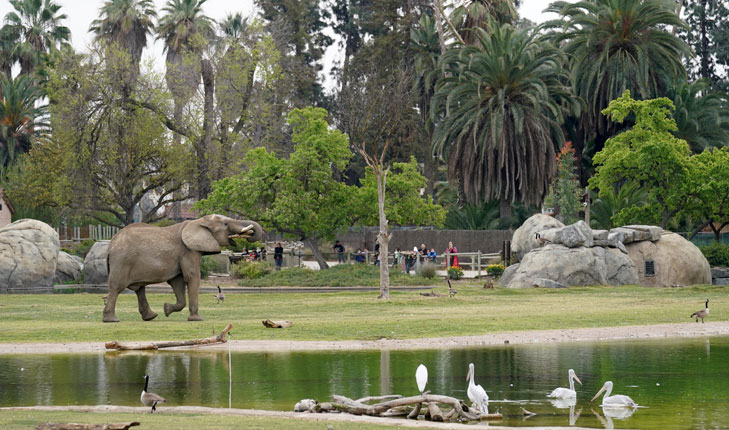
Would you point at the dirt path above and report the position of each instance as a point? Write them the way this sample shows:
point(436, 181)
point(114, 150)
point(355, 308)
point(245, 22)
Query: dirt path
point(398, 422)
point(516, 337)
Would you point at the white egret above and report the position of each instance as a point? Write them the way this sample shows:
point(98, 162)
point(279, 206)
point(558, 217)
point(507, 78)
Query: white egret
point(616, 401)
point(150, 399)
point(703, 313)
point(566, 393)
point(421, 377)
point(476, 394)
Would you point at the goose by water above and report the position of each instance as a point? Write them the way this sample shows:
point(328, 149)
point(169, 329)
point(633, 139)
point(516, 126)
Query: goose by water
point(220, 296)
point(150, 399)
point(703, 313)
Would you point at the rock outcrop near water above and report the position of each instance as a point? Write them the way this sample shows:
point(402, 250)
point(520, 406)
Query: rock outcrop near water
point(553, 257)
point(28, 255)
point(95, 268)
point(68, 268)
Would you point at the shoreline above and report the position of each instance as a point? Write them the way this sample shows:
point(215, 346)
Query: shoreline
point(589, 334)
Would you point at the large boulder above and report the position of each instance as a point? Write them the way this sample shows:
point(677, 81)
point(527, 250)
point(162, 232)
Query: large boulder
point(571, 236)
point(674, 260)
point(28, 252)
point(571, 266)
point(68, 268)
point(524, 239)
point(95, 267)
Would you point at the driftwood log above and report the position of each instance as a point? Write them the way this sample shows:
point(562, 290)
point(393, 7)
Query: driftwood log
point(74, 426)
point(220, 338)
point(411, 406)
point(277, 324)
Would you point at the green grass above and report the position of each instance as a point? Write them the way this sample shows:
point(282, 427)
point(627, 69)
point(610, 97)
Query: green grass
point(343, 275)
point(17, 420)
point(358, 316)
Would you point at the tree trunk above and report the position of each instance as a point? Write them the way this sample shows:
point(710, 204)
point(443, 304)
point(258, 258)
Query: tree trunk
point(505, 207)
point(203, 170)
point(705, 73)
point(383, 237)
point(439, 25)
point(313, 244)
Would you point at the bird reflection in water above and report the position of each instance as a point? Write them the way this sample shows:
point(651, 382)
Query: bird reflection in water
point(565, 404)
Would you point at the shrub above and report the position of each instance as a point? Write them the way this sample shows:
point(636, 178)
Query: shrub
point(455, 272)
point(495, 270)
point(82, 248)
point(716, 253)
point(427, 270)
point(207, 265)
point(250, 269)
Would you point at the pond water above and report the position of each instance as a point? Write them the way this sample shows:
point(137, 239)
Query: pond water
point(679, 383)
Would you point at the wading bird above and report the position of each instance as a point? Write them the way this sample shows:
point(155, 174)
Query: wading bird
point(150, 399)
point(567, 393)
point(476, 393)
point(616, 401)
point(421, 377)
point(703, 313)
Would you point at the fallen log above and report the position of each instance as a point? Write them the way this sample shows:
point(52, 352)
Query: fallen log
point(220, 338)
point(277, 324)
point(345, 404)
point(75, 426)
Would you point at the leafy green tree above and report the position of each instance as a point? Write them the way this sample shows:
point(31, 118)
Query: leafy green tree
point(499, 108)
point(22, 116)
point(702, 115)
point(648, 155)
point(614, 200)
point(710, 186)
point(298, 195)
point(565, 191)
point(35, 28)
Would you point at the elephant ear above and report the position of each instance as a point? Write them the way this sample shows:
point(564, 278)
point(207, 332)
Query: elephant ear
point(196, 235)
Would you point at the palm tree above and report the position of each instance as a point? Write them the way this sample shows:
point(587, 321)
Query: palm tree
point(603, 209)
point(20, 116)
point(35, 28)
point(498, 111)
point(702, 115)
point(126, 23)
point(473, 14)
point(184, 29)
point(613, 46)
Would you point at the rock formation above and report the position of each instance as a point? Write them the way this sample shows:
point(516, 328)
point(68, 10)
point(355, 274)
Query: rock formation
point(95, 269)
point(68, 268)
point(28, 254)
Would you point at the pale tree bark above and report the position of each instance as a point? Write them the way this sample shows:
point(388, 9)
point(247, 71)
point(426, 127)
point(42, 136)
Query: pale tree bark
point(383, 237)
point(439, 25)
point(313, 244)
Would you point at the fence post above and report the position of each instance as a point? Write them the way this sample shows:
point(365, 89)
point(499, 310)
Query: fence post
point(479, 264)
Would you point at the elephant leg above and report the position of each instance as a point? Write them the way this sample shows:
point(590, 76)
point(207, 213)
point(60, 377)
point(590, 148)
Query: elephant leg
point(193, 289)
point(178, 286)
point(110, 306)
point(144, 309)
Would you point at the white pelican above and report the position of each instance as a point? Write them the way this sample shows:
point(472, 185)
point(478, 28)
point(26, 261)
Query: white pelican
point(703, 313)
point(421, 377)
point(566, 393)
point(476, 393)
point(616, 401)
point(150, 399)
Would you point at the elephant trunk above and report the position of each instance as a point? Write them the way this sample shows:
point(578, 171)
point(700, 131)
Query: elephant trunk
point(257, 232)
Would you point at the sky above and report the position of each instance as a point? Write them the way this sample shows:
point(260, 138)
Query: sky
point(80, 13)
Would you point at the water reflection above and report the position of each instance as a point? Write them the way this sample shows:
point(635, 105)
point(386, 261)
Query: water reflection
point(669, 376)
point(610, 413)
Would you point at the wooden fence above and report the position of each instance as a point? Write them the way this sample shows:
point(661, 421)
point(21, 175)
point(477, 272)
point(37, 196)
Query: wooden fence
point(79, 234)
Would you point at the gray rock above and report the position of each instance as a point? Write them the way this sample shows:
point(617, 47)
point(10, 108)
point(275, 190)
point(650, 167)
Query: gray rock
point(95, 268)
point(573, 266)
point(653, 231)
point(524, 238)
point(720, 281)
point(508, 274)
point(676, 260)
point(624, 235)
point(571, 236)
point(720, 272)
point(68, 268)
point(28, 254)
point(547, 283)
point(599, 235)
point(612, 242)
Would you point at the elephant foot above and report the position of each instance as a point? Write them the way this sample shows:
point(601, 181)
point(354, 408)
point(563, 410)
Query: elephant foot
point(149, 316)
point(195, 317)
point(110, 318)
point(168, 309)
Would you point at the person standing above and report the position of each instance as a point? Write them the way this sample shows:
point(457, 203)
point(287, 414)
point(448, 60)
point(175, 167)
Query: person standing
point(396, 258)
point(453, 258)
point(339, 249)
point(278, 255)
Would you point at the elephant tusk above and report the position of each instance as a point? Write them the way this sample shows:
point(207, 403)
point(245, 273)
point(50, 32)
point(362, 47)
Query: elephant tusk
point(245, 232)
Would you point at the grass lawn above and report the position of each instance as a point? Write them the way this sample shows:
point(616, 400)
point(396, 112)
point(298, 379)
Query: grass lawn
point(16, 420)
point(357, 316)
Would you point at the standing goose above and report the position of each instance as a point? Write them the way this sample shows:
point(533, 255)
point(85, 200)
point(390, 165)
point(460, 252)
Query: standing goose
point(703, 313)
point(476, 394)
point(451, 291)
point(150, 399)
point(220, 296)
point(616, 401)
point(566, 393)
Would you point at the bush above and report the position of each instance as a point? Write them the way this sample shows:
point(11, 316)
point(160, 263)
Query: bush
point(455, 273)
point(251, 269)
point(495, 270)
point(82, 248)
point(427, 270)
point(207, 265)
point(716, 253)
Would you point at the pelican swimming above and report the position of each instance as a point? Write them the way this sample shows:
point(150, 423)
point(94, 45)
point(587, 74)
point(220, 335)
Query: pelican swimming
point(421, 377)
point(150, 399)
point(567, 393)
point(703, 313)
point(476, 393)
point(616, 401)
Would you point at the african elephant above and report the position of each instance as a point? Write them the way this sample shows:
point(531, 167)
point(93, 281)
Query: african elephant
point(142, 254)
